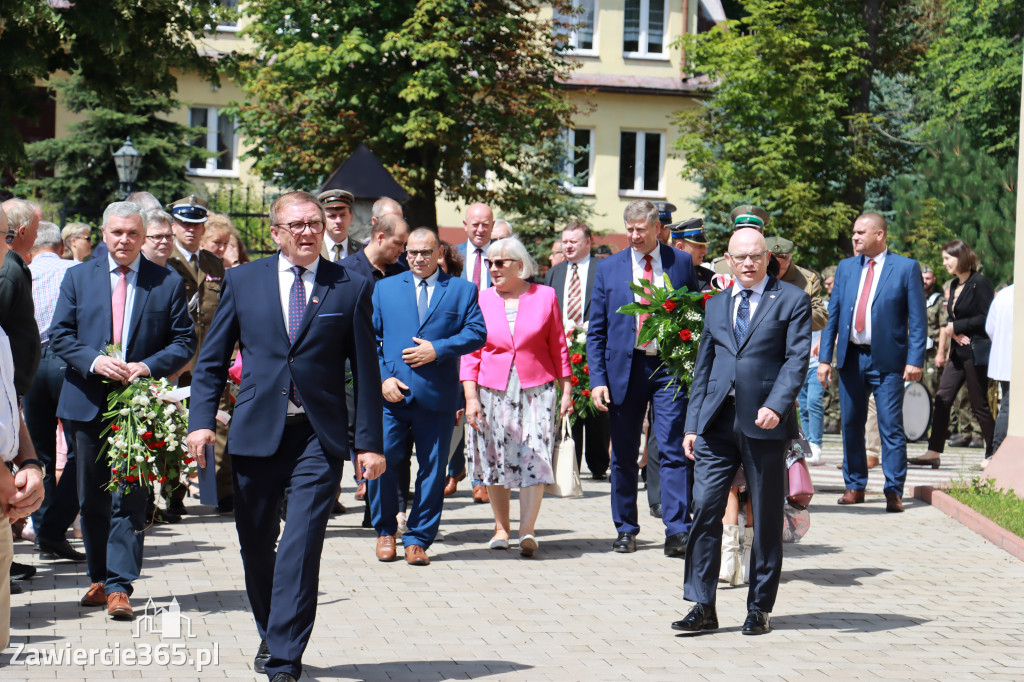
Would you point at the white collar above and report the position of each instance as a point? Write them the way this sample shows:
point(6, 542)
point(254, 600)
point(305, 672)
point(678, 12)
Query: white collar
point(758, 288)
point(431, 280)
point(285, 265)
point(133, 266)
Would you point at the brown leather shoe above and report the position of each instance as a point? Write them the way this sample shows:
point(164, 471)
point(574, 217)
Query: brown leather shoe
point(872, 461)
point(415, 556)
point(480, 495)
point(386, 548)
point(893, 503)
point(451, 483)
point(95, 596)
point(851, 497)
point(118, 606)
point(361, 491)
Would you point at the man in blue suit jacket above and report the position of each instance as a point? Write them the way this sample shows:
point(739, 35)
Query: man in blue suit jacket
point(157, 339)
point(425, 322)
point(750, 367)
point(625, 377)
point(296, 318)
point(877, 327)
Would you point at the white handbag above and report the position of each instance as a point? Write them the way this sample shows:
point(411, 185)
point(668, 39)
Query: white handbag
point(563, 463)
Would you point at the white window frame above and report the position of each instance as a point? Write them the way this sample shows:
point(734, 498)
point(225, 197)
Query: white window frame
point(640, 165)
point(570, 165)
point(229, 28)
point(573, 47)
point(645, 21)
point(211, 170)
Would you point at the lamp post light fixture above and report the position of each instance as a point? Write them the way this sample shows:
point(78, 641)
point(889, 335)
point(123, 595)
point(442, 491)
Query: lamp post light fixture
point(128, 161)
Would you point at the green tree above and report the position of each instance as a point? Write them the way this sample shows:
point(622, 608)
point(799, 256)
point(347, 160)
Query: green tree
point(787, 122)
point(959, 190)
point(452, 96)
point(88, 179)
point(104, 43)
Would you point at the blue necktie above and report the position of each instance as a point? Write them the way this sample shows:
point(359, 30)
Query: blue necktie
point(296, 310)
point(421, 303)
point(742, 316)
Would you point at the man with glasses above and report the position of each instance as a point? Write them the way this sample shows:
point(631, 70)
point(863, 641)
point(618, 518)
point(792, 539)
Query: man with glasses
point(159, 242)
point(419, 353)
point(298, 318)
point(203, 273)
point(627, 375)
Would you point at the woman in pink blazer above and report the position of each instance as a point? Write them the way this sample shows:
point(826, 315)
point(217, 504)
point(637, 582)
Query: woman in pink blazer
point(511, 387)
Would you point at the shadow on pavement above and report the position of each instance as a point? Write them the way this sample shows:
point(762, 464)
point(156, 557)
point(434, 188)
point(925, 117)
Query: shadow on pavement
point(845, 622)
point(833, 577)
point(433, 670)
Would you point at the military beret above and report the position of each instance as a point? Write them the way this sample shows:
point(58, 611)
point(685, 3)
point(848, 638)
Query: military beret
point(191, 209)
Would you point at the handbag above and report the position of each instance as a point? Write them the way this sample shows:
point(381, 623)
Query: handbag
point(801, 490)
point(980, 348)
point(563, 463)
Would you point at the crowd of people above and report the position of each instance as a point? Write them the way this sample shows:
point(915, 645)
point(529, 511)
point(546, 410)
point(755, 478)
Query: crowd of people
point(332, 351)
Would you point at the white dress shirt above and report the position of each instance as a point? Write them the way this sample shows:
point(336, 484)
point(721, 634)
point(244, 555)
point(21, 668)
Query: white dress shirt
point(187, 255)
point(864, 338)
point(330, 244)
point(285, 278)
point(467, 272)
point(756, 292)
point(431, 283)
point(638, 278)
point(999, 327)
point(582, 270)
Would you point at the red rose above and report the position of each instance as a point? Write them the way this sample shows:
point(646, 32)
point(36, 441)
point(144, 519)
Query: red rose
point(686, 335)
point(575, 358)
point(115, 427)
point(151, 477)
point(585, 393)
point(131, 479)
point(574, 380)
point(147, 435)
point(158, 444)
point(189, 460)
point(586, 369)
point(162, 479)
point(669, 306)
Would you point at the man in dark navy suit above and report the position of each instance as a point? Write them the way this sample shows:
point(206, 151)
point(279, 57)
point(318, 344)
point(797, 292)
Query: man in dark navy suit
point(750, 367)
point(296, 318)
point(877, 328)
point(625, 376)
point(120, 298)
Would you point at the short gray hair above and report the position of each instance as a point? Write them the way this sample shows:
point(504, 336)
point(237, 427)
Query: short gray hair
point(160, 216)
point(48, 237)
point(124, 209)
point(384, 206)
point(510, 247)
point(641, 209)
point(20, 213)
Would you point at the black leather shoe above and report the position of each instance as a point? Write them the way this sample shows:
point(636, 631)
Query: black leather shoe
point(675, 545)
point(283, 677)
point(61, 549)
point(21, 571)
point(959, 440)
point(226, 505)
point(700, 617)
point(757, 623)
point(625, 543)
point(338, 509)
point(259, 664)
point(16, 588)
point(656, 511)
point(177, 507)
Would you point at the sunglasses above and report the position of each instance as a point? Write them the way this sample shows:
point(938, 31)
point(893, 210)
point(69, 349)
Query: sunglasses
point(499, 262)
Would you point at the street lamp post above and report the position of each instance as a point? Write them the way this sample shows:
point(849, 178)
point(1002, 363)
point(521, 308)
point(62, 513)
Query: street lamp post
point(128, 161)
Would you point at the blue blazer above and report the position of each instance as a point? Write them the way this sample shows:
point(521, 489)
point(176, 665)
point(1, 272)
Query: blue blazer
point(485, 274)
point(453, 324)
point(611, 336)
point(161, 333)
point(766, 370)
point(899, 323)
point(337, 326)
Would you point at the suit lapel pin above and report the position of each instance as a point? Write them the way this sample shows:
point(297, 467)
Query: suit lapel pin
point(316, 299)
point(772, 296)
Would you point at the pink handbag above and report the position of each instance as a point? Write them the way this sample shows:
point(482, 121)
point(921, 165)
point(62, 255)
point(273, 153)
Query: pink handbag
point(801, 490)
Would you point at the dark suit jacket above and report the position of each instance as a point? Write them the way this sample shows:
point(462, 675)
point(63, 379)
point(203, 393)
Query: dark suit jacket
point(360, 265)
point(453, 324)
point(555, 278)
point(485, 274)
point(899, 323)
point(969, 310)
point(17, 317)
point(337, 326)
point(161, 334)
point(611, 336)
point(766, 370)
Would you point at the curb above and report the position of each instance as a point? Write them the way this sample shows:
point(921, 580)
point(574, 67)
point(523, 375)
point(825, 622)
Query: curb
point(972, 520)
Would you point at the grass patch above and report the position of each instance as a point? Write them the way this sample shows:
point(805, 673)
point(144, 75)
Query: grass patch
point(1001, 506)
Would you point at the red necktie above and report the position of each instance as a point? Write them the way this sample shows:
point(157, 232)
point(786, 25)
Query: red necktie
point(117, 303)
point(649, 276)
point(865, 294)
point(476, 267)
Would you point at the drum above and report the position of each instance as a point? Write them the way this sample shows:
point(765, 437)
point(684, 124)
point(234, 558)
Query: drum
point(917, 410)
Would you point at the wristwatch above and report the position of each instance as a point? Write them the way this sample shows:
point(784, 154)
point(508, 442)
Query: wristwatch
point(27, 462)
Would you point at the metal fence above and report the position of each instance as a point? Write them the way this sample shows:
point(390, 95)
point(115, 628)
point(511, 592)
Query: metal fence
point(249, 210)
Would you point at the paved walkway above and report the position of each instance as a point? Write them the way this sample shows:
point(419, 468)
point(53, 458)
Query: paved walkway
point(866, 595)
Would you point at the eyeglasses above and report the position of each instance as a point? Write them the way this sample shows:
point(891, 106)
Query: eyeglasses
point(754, 257)
point(297, 227)
point(160, 237)
point(424, 253)
point(499, 262)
